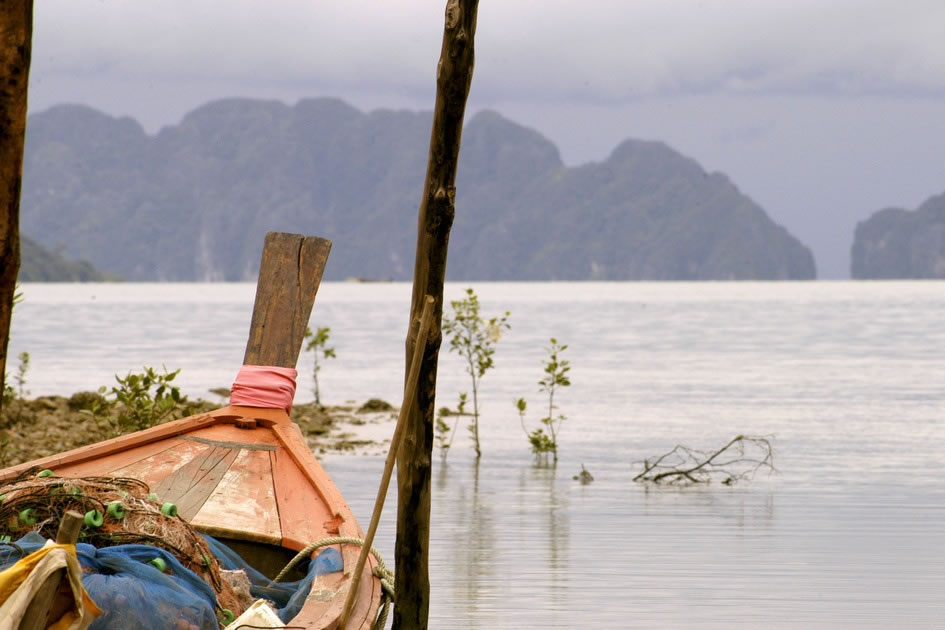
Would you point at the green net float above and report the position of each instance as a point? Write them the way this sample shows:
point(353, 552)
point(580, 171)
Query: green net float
point(116, 510)
point(226, 616)
point(76, 492)
point(27, 516)
point(94, 518)
point(169, 509)
point(153, 496)
point(159, 564)
point(45, 473)
point(2, 497)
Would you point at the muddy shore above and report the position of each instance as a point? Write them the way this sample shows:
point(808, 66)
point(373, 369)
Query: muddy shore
point(34, 428)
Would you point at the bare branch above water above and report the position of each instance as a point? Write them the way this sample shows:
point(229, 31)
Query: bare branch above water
point(738, 460)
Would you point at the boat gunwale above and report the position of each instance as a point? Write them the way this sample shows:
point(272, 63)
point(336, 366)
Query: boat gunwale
point(315, 613)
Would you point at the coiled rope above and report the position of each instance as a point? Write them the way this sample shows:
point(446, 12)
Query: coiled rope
point(380, 571)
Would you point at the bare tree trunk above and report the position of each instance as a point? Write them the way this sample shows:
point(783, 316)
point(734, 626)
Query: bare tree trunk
point(16, 33)
point(414, 462)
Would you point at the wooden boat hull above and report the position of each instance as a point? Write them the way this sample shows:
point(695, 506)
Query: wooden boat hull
point(244, 475)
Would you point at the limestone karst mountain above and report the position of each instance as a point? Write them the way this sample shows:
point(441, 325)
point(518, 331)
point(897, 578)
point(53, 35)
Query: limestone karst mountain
point(192, 201)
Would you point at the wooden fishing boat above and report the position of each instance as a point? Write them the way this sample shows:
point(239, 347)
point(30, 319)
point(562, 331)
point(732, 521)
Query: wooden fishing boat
point(244, 473)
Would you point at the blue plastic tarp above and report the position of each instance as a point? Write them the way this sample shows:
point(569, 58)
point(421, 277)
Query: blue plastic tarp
point(134, 594)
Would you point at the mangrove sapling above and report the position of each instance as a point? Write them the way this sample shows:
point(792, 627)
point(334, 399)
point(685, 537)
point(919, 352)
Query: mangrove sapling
point(473, 338)
point(544, 439)
point(737, 460)
point(133, 406)
point(317, 343)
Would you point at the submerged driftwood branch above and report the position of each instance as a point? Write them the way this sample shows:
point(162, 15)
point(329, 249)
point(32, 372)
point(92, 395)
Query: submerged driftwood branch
point(738, 460)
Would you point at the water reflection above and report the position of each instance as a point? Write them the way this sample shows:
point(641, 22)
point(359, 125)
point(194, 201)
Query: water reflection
point(559, 537)
point(738, 507)
point(472, 542)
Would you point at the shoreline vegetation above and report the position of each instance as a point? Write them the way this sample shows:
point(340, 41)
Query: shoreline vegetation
point(31, 428)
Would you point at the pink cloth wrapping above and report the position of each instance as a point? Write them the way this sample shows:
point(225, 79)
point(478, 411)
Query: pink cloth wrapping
point(264, 386)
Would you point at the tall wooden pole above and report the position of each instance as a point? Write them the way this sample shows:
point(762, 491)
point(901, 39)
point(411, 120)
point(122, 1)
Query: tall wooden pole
point(16, 34)
point(414, 461)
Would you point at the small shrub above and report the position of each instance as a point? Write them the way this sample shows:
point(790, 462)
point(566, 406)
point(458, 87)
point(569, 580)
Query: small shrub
point(133, 406)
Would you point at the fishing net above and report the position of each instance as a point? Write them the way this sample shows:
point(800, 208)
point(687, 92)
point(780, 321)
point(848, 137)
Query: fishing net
point(141, 561)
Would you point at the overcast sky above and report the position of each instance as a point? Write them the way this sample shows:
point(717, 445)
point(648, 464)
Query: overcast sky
point(822, 111)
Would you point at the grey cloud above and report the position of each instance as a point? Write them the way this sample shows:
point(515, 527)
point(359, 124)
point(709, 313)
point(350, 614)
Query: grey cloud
point(607, 49)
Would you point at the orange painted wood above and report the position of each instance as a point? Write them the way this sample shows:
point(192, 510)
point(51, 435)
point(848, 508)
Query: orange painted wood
point(245, 499)
point(115, 445)
point(290, 438)
point(203, 478)
point(302, 513)
point(233, 435)
point(274, 490)
point(112, 464)
point(160, 466)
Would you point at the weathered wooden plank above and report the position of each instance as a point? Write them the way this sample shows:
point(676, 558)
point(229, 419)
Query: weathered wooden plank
point(115, 445)
point(193, 499)
point(189, 487)
point(289, 274)
point(302, 516)
point(243, 500)
point(182, 477)
point(229, 433)
point(111, 464)
point(157, 468)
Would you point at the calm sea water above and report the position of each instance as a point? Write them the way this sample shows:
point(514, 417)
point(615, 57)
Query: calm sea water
point(848, 377)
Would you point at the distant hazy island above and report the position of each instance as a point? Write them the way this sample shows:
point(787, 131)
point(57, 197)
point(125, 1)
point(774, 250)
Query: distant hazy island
point(192, 202)
point(38, 264)
point(897, 243)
